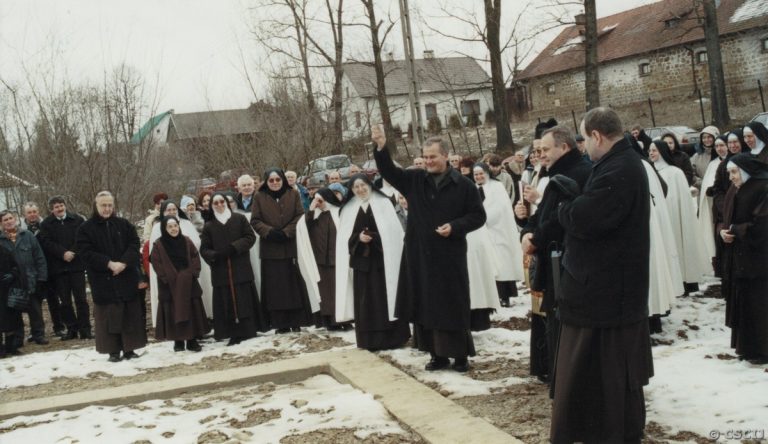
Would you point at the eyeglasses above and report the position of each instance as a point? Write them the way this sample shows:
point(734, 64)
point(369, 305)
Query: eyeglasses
point(274, 180)
point(218, 202)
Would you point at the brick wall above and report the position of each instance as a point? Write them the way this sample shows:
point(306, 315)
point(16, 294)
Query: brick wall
point(671, 85)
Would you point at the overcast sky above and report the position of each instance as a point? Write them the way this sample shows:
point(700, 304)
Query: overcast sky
point(189, 51)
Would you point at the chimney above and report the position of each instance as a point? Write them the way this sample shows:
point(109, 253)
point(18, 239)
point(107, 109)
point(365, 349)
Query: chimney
point(581, 19)
point(429, 54)
point(390, 56)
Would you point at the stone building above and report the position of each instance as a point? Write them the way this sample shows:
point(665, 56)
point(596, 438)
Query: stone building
point(655, 52)
point(447, 86)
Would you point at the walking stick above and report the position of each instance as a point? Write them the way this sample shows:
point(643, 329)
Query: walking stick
point(232, 290)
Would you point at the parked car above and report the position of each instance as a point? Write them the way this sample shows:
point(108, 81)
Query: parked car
point(762, 118)
point(197, 186)
point(687, 136)
point(317, 170)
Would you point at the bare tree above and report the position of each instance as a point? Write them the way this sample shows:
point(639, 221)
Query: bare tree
point(493, 25)
point(591, 67)
point(381, 90)
point(720, 115)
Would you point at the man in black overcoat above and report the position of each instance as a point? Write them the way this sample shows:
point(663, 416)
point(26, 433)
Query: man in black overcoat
point(433, 289)
point(542, 233)
point(604, 356)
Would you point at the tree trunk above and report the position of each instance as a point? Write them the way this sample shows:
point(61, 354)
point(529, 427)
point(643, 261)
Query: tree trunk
point(591, 74)
point(338, 72)
point(492, 18)
point(720, 115)
point(381, 91)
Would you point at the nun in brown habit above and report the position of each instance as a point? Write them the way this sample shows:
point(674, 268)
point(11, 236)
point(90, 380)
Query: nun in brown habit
point(275, 210)
point(370, 243)
point(225, 245)
point(180, 315)
point(316, 253)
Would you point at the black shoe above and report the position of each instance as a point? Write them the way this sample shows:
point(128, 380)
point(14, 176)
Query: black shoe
point(60, 332)
point(544, 379)
point(504, 302)
point(71, 334)
point(437, 363)
point(296, 329)
point(178, 346)
point(114, 357)
point(461, 365)
point(193, 346)
point(280, 331)
point(86, 334)
point(39, 340)
point(233, 341)
point(130, 355)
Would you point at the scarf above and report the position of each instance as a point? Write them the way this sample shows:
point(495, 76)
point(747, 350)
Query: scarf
point(224, 216)
point(175, 247)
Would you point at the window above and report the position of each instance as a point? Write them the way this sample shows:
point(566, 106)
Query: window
point(347, 91)
point(765, 44)
point(550, 88)
point(701, 57)
point(430, 110)
point(645, 69)
point(358, 120)
point(470, 107)
point(671, 23)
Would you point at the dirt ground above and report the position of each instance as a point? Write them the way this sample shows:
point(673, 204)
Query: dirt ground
point(522, 410)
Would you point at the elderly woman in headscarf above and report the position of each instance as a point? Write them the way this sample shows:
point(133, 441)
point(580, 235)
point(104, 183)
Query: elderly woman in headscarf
point(180, 315)
point(275, 211)
point(682, 213)
point(170, 208)
point(316, 252)
point(745, 257)
point(756, 137)
point(225, 245)
point(189, 206)
point(370, 243)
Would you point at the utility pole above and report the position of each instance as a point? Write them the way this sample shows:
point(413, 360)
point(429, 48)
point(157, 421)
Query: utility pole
point(720, 115)
point(410, 70)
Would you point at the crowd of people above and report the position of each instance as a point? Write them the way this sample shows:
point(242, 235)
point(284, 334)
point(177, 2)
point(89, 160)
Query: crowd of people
point(605, 227)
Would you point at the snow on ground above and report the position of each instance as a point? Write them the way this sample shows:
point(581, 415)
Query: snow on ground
point(40, 368)
point(265, 413)
point(698, 385)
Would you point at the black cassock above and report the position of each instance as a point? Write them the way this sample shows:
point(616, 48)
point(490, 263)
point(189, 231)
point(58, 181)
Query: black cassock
point(745, 269)
point(373, 329)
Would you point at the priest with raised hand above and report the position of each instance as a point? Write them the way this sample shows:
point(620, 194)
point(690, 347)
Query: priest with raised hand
point(433, 289)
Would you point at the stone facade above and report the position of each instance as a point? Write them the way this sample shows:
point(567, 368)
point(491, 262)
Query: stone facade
point(671, 84)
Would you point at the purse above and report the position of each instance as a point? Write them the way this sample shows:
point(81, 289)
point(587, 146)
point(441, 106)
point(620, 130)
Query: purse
point(18, 299)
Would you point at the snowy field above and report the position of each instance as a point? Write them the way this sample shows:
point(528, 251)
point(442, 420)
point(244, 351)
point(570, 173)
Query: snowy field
point(264, 413)
point(699, 386)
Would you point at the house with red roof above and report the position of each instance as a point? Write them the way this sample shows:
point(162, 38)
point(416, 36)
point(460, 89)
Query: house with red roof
point(651, 53)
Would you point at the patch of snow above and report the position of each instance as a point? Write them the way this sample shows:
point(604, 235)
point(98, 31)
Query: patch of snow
point(609, 27)
point(41, 368)
point(570, 44)
point(319, 402)
point(749, 10)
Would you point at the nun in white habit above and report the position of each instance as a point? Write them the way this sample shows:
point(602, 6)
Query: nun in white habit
point(503, 230)
point(694, 263)
point(169, 208)
point(705, 219)
point(483, 268)
point(369, 247)
point(665, 280)
point(316, 255)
